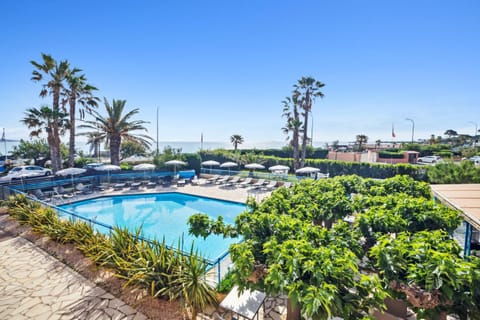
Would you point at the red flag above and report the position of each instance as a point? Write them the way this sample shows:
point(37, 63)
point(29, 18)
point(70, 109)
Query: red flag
point(393, 132)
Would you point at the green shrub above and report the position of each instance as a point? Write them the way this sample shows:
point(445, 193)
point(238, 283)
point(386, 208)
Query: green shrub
point(227, 283)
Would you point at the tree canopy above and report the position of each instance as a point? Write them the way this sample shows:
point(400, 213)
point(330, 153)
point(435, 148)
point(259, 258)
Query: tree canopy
point(296, 242)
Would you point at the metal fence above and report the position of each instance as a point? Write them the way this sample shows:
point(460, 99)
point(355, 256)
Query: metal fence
point(217, 268)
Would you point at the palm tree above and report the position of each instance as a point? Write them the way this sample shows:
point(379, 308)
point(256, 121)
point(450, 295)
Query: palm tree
point(117, 126)
point(290, 111)
point(236, 139)
point(94, 139)
point(361, 140)
point(80, 91)
point(42, 120)
point(306, 90)
point(54, 74)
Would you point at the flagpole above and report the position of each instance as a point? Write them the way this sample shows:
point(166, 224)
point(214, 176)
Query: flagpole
point(157, 131)
point(201, 142)
point(5, 144)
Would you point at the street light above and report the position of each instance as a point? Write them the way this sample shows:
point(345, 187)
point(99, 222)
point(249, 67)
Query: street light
point(475, 134)
point(413, 127)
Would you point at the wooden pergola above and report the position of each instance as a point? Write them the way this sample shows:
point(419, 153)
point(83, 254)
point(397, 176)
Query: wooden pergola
point(466, 199)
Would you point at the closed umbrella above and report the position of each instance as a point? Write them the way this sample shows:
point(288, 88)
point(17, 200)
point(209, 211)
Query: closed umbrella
point(175, 163)
point(228, 165)
point(70, 172)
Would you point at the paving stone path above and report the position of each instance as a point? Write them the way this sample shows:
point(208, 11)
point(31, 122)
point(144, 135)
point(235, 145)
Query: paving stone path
point(35, 285)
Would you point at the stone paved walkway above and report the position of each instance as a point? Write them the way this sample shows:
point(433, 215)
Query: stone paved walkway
point(34, 285)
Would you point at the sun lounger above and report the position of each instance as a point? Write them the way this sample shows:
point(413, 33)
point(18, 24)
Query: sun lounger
point(151, 185)
point(39, 194)
point(245, 183)
point(223, 180)
point(84, 189)
point(258, 184)
point(60, 192)
point(181, 183)
point(233, 182)
point(119, 186)
point(271, 185)
point(287, 184)
point(213, 179)
point(135, 185)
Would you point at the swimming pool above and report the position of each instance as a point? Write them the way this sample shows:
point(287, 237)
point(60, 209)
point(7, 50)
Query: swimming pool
point(162, 215)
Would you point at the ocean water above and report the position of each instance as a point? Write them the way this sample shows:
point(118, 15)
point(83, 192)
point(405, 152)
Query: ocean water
point(185, 146)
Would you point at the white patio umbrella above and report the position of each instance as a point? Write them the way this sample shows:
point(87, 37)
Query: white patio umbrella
point(210, 163)
point(279, 167)
point(228, 165)
point(307, 170)
point(254, 166)
point(70, 172)
point(108, 168)
point(175, 163)
point(144, 167)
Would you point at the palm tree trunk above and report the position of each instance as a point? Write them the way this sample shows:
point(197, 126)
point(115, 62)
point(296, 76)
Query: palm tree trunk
point(295, 149)
point(293, 311)
point(305, 138)
point(55, 146)
point(71, 143)
point(296, 124)
point(115, 142)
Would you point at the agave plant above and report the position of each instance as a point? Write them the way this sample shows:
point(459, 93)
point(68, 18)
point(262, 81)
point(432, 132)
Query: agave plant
point(189, 284)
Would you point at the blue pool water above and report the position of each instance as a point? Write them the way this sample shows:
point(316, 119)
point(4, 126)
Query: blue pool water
point(163, 215)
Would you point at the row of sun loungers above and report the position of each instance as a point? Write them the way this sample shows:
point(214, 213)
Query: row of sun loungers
point(228, 181)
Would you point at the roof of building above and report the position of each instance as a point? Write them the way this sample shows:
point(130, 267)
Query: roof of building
point(464, 197)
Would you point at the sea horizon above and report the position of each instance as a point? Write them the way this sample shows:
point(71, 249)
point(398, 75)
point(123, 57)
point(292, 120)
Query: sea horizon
point(185, 146)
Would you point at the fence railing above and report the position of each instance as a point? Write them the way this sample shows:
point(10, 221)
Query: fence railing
point(220, 265)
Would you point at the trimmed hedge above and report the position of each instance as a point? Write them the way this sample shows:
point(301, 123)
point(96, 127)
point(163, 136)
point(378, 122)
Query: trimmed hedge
point(390, 155)
point(335, 167)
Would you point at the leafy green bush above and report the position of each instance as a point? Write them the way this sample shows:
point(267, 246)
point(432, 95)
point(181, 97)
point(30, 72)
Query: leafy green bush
point(227, 283)
point(449, 172)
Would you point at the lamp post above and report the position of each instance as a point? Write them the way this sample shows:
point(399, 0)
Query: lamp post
point(413, 127)
point(475, 134)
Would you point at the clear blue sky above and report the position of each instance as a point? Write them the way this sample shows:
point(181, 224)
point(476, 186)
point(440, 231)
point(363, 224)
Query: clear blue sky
point(223, 67)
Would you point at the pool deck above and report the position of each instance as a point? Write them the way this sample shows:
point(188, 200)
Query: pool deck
point(221, 192)
point(36, 285)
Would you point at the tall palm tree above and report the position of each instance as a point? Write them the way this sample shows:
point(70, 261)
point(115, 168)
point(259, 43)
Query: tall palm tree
point(41, 120)
point(78, 90)
point(54, 74)
point(290, 111)
point(117, 126)
point(306, 90)
point(361, 140)
point(236, 139)
point(94, 139)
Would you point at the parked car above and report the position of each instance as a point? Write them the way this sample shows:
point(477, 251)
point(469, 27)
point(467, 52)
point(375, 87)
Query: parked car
point(25, 172)
point(429, 159)
point(475, 159)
